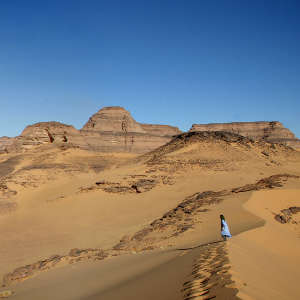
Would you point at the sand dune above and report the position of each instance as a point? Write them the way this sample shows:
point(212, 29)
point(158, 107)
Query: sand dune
point(155, 217)
point(266, 260)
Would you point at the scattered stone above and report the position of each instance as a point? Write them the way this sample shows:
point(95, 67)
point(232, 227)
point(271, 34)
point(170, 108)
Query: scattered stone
point(265, 183)
point(265, 153)
point(173, 223)
point(286, 215)
point(182, 218)
point(75, 255)
point(144, 185)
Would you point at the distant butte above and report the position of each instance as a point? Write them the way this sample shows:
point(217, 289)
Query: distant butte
point(113, 129)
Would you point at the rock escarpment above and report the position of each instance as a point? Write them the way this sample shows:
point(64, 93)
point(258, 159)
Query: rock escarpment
point(111, 129)
point(273, 132)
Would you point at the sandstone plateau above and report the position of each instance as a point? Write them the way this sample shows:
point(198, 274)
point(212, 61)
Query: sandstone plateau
point(273, 132)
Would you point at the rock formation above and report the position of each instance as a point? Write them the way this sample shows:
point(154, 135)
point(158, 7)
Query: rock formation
point(113, 119)
point(45, 133)
point(4, 143)
point(114, 129)
point(111, 129)
point(50, 132)
point(273, 132)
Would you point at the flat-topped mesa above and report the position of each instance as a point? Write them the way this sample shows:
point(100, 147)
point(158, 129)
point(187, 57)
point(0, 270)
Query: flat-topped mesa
point(273, 131)
point(113, 129)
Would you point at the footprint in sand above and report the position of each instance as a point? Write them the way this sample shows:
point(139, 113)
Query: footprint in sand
point(210, 277)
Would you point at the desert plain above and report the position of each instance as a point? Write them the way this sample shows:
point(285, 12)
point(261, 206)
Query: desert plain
point(137, 216)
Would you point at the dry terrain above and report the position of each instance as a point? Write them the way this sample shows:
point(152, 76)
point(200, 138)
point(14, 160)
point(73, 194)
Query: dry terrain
point(78, 224)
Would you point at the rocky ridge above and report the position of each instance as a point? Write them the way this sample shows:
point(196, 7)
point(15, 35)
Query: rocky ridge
point(273, 132)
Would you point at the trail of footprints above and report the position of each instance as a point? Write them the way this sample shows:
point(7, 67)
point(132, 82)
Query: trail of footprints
point(210, 278)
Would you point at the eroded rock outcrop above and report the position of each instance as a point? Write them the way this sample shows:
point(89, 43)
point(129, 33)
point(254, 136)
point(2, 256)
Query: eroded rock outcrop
point(114, 129)
point(46, 133)
point(75, 255)
point(111, 129)
point(114, 119)
point(173, 223)
point(273, 132)
point(50, 132)
point(184, 216)
point(286, 215)
point(5, 142)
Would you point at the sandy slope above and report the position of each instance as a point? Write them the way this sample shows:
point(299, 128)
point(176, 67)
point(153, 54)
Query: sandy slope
point(158, 274)
point(59, 207)
point(266, 260)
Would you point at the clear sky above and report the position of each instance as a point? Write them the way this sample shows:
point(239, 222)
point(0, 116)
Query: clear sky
point(168, 62)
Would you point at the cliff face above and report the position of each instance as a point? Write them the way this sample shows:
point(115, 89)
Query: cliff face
point(49, 132)
point(46, 133)
point(273, 132)
point(161, 130)
point(111, 129)
point(113, 119)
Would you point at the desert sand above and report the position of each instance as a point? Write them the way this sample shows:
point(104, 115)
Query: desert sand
point(265, 261)
point(77, 224)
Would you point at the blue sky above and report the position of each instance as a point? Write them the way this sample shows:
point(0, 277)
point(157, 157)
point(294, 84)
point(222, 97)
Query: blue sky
point(168, 62)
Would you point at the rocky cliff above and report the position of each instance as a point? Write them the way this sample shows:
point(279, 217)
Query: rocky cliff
point(273, 132)
point(114, 129)
point(111, 129)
